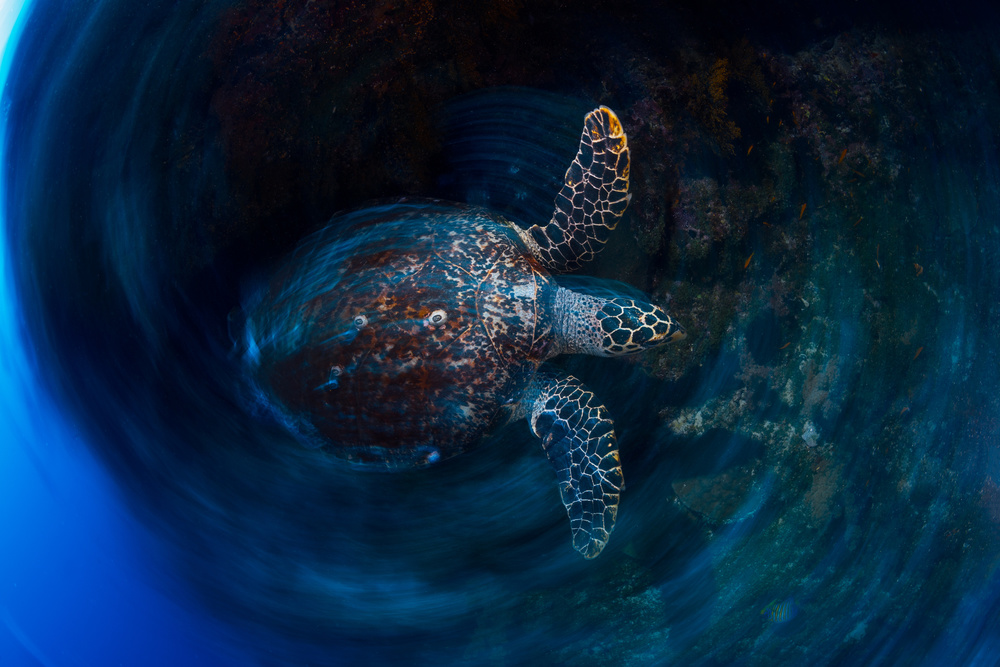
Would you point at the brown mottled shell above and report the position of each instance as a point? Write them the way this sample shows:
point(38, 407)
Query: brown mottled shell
point(404, 345)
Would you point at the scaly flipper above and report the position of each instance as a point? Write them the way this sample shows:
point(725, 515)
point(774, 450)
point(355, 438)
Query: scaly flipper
point(578, 437)
point(592, 200)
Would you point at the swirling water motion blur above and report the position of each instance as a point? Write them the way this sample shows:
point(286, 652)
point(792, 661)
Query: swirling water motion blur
point(812, 476)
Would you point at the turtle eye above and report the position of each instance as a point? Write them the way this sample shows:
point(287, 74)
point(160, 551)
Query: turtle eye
point(360, 321)
point(437, 317)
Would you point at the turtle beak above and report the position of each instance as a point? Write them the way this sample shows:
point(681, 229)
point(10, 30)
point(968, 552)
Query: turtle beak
point(667, 330)
point(652, 326)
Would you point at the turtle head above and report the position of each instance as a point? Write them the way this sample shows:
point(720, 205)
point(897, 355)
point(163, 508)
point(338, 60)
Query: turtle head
point(611, 327)
point(632, 326)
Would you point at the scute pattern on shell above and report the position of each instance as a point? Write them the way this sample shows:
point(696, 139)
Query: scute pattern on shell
point(433, 323)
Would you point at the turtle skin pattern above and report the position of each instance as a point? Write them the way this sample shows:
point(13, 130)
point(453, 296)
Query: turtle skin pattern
point(629, 326)
point(592, 200)
point(578, 437)
point(618, 326)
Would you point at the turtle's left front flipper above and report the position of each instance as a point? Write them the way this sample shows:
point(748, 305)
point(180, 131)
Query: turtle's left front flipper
point(579, 440)
point(592, 200)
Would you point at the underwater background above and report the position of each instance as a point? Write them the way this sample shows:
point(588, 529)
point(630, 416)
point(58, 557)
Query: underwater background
point(812, 476)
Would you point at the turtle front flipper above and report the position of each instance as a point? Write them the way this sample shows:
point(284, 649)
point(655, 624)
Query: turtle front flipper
point(592, 200)
point(578, 437)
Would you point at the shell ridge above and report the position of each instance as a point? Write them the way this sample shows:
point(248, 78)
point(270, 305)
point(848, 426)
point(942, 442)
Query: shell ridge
point(535, 335)
point(479, 313)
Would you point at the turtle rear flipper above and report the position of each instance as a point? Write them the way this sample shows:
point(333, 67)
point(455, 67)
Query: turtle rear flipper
point(578, 437)
point(592, 200)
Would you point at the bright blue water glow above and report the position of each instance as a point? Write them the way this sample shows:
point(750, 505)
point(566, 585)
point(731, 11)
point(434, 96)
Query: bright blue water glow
point(76, 586)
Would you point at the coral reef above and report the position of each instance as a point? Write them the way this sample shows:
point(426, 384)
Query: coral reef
point(700, 218)
point(720, 498)
point(634, 607)
point(708, 101)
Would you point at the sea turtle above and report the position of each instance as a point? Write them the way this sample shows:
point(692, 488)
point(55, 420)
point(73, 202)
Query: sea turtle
point(401, 334)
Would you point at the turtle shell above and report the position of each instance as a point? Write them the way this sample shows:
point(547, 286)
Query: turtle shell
point(399, 342)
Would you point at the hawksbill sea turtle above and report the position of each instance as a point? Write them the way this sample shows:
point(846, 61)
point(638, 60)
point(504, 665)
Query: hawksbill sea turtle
point(402, 334)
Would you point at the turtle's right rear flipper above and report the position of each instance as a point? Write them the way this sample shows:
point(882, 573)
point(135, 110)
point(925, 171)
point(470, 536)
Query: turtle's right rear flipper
point(592, 200)
point(579, 441)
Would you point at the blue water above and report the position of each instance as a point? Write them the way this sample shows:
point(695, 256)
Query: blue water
point(812, 478)
point(79, 583)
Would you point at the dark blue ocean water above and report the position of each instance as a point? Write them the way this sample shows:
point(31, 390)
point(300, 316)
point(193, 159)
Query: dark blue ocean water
point(812, 476)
